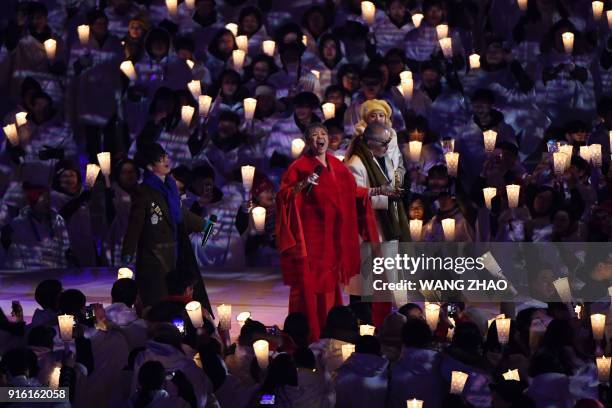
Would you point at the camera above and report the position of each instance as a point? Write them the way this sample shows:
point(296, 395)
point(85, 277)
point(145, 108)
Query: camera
point(267, 399)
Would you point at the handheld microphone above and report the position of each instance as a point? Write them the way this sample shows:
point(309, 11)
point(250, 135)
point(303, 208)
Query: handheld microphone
point(317, 171)
point(208, 228)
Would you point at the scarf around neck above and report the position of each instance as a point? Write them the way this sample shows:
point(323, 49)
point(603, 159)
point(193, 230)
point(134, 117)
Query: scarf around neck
point(394, 224)
point(170, 193)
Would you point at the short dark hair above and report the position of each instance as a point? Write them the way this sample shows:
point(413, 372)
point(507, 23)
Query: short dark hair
point(124, 291)
point(372, 74)
point(483, 95)
point(178, 281)
point(149, 153)
point(20, 361)
point(304, 358)
point(47, 293)
point(416, 333)
point(408, 307)
point(368, 345)
point(306, 99)
point(71, 301)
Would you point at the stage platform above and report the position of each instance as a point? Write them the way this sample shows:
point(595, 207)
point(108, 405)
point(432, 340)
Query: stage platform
point(259, 291)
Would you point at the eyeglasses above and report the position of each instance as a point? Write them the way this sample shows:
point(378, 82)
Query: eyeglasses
point(382, 144)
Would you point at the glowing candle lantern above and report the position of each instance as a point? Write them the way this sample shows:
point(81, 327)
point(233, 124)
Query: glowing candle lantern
point(407, 87)
point(522, 5)
point(567, 149)
point(104, 160)
point(609, 17)
point(609, 137)
point(446, 45)
point(262, 353)
point(190, 4)
point(414, 403)
point(347, 350)
point(585, 153)
point(595, 150)
point(194, 310)
point(242, 318)
point(368, 10)
point(366, 330)
point(249, 108)
point(172, 6)
point(50, 48)
point(54, 377)
point(458, 379)
point(568, 42)
point(259, 219)
point(442, 31)
point(125, 273)
point(83, 31)
point(10, 131)
point(405, 75)
point(269, 47)
point(474, 60)
point(233, 27)
point(242, 42)
point(490, 137)
point(204, 102)
point(128, 69)
point(559, 159)
point(238, 59)
point(598, 7)
point(603, 369)
point(489, 193)
point(225, 316)
point(305, 40)
point(598, 325)
point(417, 19)
point(432, 315)
point(248, 174)
point(512, 375)
point(297, 146)
point(195, 88)
point(416, 228)
point(503, 330)
point(190, 63)
point(91, 174)
point(562, 287)
point(187, 114)
point(329, 110)
point(415, 147)
point(513, 192)
point(452, 163)
point(448, 226)
point(65, 322)
point(21, 118)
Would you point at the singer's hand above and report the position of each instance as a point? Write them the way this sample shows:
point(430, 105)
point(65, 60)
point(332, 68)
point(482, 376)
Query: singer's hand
point(313, 179)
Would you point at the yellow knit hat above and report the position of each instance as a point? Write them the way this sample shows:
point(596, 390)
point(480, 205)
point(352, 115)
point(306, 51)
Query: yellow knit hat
point(374, 105)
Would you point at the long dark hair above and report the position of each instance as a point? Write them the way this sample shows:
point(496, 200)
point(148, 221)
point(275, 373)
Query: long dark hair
point(329, 37)
point(281, 372)
point(213, 47)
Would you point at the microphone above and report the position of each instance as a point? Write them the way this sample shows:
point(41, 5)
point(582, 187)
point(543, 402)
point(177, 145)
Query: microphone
point(317, 171)
point(208, 228)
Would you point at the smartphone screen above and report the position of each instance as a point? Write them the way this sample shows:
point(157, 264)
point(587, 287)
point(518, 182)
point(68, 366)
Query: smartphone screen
point(267, 399)
point(179, 324)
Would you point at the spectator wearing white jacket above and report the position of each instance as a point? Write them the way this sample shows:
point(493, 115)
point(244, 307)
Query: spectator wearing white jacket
point(122, 313)
point(363, 378)
point(416, 374)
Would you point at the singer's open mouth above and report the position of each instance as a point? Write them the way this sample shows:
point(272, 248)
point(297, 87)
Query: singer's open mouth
point(320, 144)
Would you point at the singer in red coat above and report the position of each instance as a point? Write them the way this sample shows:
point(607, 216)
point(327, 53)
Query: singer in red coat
point(320, 219)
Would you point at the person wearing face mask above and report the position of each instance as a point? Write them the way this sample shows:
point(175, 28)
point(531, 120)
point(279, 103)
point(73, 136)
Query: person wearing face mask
point(158, 228)
point(321, 212)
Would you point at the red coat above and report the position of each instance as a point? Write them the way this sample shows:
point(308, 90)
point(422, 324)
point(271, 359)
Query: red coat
point(318, 232)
